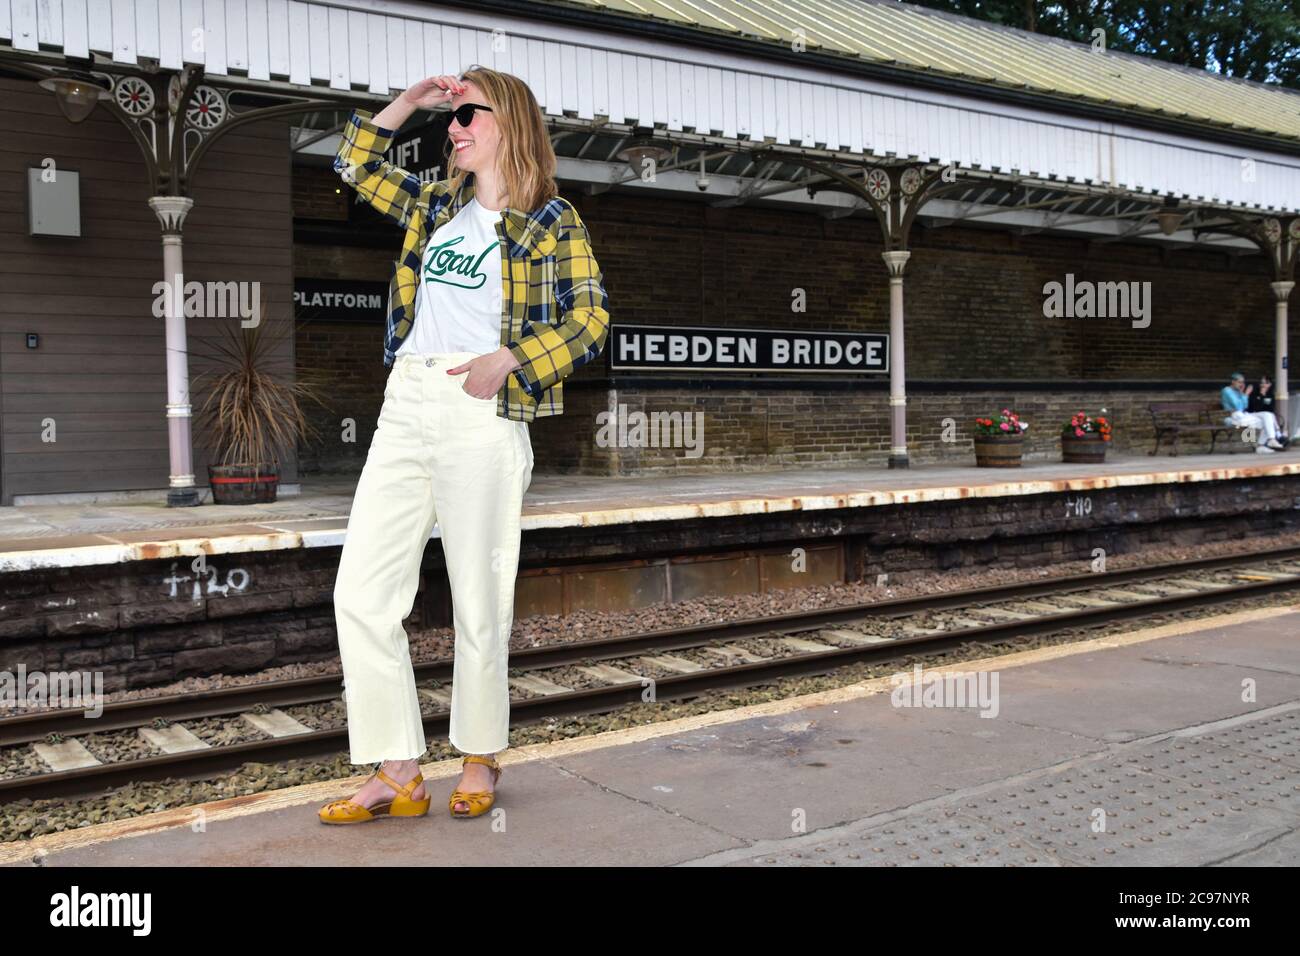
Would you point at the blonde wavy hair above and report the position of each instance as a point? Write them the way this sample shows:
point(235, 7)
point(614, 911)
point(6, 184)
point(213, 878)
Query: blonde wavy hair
point(526, 159)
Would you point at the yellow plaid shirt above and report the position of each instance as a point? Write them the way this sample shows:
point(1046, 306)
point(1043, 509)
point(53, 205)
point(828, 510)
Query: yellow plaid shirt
point(553, 304)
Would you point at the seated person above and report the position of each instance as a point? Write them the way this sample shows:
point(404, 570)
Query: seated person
point(1235, 399)
point(1260, 399)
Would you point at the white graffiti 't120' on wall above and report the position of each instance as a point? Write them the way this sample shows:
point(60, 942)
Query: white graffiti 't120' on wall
point(236, 580)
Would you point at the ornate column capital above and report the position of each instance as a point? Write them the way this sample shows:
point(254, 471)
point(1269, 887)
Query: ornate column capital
point(171, 212)
point(1281, 289)
point(896, 262)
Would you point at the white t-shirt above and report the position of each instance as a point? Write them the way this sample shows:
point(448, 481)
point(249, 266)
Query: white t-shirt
point(458, 302)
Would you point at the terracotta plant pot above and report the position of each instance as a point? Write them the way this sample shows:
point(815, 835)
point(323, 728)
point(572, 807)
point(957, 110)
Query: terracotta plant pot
point(1088, 450)
point(244, 484)
point(998, 451)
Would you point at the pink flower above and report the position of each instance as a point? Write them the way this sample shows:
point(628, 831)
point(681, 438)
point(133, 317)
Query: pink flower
point(1078, 432)
point(1006, 427)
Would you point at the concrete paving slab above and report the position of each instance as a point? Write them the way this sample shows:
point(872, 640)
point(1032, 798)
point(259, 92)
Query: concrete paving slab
point(1271, 648)
point(1282, 850)
point(1145, 689)
point(827, 765)
point(544, 815)
point(1175, 800)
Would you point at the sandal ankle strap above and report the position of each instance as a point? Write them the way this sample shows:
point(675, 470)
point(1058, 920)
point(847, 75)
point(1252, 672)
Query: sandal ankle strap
point(405, 789)
point(485, 760)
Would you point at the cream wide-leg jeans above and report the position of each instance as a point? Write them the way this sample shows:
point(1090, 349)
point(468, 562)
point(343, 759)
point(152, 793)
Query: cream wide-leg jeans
point(439, 456)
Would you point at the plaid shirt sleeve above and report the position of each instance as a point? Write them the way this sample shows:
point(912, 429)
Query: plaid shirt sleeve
point(549, 353)
point(360, 162)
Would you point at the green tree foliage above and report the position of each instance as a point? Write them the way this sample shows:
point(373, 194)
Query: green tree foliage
point(1251, 39)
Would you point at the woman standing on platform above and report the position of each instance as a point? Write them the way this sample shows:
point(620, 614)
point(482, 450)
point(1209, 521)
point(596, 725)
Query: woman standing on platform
point(496, 298)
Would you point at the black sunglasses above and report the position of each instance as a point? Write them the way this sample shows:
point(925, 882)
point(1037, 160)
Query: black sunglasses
point(464, 114)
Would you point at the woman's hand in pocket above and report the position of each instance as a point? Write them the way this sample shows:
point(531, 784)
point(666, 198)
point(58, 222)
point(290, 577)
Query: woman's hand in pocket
point(487, 373)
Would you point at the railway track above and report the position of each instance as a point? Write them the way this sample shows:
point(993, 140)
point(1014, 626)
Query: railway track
point(198, 734)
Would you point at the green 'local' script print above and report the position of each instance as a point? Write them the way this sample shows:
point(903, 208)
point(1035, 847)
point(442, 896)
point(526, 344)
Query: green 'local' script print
point(442, 264)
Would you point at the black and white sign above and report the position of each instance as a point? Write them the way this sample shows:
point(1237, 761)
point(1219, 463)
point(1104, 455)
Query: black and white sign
point(745, 350)
point(340, 300)
point(421, 150)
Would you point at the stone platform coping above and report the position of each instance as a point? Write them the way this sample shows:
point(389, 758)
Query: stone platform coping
point(34, 537)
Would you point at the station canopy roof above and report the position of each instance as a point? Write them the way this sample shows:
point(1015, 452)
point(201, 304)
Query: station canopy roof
point(1048, 135)
point(915, 39)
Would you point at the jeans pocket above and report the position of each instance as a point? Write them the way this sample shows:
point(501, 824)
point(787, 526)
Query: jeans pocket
point(460, 384)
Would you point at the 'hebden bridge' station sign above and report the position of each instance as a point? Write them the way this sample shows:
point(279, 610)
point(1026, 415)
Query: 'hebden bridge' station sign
point(668, 348)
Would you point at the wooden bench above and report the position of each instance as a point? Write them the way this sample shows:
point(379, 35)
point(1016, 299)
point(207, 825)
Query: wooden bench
point(1175, 419)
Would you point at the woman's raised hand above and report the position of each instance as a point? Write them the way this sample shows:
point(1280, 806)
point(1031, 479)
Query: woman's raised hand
point(433, 91)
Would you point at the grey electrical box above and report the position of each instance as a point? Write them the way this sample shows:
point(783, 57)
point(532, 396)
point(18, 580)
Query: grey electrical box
point(53, 202)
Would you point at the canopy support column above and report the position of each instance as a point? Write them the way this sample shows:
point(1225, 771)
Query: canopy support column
point(896, 261)
point(181, 492)
point(1281, 291)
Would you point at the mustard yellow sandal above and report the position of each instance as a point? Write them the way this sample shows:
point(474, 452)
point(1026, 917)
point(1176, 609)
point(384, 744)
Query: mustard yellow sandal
point(402, 805)
point(479, 801)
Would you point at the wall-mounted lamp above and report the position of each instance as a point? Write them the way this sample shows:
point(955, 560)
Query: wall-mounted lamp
point(1170, 218)
point(640, 148)
point(76, 93)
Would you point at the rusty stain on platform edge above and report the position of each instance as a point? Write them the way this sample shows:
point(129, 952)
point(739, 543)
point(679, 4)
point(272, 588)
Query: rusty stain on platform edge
point(233, 807)
point(115, 552)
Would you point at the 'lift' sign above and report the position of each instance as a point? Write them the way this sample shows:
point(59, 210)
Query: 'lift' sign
point(421, 150)
point(643, 347)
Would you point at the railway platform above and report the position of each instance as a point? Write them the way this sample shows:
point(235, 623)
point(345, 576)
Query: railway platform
point(72, 572)
point(61, 533)
point(1176, 745)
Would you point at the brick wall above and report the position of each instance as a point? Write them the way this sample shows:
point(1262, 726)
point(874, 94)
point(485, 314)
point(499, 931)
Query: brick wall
point(974, 315)
point(757, 430)
point(974, 296)
point(348, 354)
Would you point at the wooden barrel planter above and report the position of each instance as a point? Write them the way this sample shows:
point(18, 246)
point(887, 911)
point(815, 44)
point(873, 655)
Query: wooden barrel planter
point(998, 451)
point(1088, 450)
point(244, 484)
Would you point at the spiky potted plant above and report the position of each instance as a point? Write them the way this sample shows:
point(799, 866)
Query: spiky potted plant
point(254, 411)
